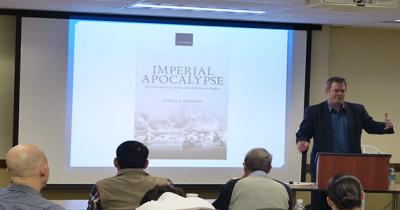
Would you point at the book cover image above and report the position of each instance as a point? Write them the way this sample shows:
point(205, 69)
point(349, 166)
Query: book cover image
point(181, 98)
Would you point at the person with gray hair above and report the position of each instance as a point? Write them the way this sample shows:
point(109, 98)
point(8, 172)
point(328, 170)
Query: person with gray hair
point(255, 189)
point(29, 172)
point(258, 159)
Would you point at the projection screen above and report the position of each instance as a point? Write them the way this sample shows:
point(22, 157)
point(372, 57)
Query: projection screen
point(198, 96)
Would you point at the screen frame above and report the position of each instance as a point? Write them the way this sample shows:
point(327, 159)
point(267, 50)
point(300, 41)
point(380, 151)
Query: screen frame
point(147, 19)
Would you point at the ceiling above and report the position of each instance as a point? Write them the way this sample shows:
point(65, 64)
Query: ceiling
point(288, 11)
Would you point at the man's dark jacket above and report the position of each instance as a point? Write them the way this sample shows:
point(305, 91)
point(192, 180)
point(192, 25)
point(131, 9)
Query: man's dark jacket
point(317, 125)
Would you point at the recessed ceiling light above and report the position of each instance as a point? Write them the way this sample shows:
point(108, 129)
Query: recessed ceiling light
point(391, 21)
point(159, 6)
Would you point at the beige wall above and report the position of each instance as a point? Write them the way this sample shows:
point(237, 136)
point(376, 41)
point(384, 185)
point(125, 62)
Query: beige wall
point(368, 58)
point(7, 55)
point(319, 64)
point(7, 59)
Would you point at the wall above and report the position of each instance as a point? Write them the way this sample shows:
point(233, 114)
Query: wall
point(368, 59)
point(7, 59)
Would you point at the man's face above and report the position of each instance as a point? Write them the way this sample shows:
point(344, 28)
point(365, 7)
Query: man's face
point(336, 93)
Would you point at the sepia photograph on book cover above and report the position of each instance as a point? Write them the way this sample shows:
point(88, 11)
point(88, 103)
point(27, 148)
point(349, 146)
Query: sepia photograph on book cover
point(181, 99)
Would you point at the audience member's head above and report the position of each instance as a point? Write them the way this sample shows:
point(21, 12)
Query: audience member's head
point(257, 159)
point(157, 191)
point(131, 154)
point(344, 192)
point(27, 165)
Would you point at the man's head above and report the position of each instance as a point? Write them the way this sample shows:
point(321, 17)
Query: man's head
point(335, 91)
point(131, 154)
point(158, 190)
point(27, 165)
point(257, 159)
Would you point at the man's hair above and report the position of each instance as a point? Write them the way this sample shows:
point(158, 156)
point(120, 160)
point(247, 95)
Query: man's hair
point(345, 191)
point(132, 154)
point(158, 190)
point(336, 79)
point(258, 159)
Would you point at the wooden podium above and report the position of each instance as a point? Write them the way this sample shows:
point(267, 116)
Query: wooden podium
point(371, 169)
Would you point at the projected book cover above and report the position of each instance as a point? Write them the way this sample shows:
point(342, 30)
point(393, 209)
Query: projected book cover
point(181, 98)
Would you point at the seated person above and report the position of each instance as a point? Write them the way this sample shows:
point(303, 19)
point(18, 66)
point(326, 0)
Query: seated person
point(255, 190)
point(154, 193)
point(344, 193)
point(126, 189)
point(29, 172)
point(168, 197)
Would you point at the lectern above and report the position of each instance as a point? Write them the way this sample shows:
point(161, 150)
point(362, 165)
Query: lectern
point(371, 169)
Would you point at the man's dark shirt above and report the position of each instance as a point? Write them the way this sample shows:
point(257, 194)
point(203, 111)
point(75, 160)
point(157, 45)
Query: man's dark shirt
point(339, 124)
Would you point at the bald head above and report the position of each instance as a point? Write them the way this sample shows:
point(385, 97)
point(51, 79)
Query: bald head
point(26, 161)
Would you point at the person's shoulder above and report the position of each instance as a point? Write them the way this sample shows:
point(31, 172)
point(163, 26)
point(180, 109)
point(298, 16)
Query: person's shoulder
point(319, 106)
point(55, 207)
point(279, 181)
point(105, 180)
point(233, 181)
point(282, 184)
point(161, 180)
point(42, 203)
point(352, 105)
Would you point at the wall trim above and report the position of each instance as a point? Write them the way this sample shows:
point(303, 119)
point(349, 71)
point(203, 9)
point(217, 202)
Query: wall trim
point(396, 166)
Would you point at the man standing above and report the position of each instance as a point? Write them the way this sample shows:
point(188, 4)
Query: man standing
point(126, 189)
point(29, 172)
point(255, 190)
point(335, 126)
